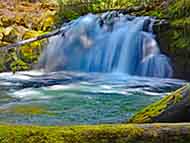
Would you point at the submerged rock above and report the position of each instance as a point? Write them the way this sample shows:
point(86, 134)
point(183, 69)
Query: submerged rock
point(172, 108)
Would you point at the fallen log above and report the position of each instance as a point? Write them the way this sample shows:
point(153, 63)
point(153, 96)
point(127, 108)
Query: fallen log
point(172, 108)
point(27, 41)
point(120, 133)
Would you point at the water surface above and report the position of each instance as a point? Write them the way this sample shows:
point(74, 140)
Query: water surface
point(63, 98)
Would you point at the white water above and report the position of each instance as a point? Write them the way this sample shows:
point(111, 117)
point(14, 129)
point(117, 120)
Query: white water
point(108, 43)
point(77, 98)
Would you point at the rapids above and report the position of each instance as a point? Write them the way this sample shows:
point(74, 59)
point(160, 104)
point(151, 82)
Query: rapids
point(65, 98)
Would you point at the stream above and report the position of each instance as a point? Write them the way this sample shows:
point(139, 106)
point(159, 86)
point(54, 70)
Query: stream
point(65, 98)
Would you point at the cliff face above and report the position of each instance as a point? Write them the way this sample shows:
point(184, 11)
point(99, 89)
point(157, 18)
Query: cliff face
point(174, 38)
point(175, 43)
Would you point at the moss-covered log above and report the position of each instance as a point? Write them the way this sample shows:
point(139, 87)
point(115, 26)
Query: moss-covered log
point(172, 108)
point(150, 133)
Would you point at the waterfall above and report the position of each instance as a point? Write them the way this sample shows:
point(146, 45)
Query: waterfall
point(111, 42)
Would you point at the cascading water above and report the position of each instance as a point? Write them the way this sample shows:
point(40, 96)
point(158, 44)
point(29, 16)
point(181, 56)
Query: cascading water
point(111, 42)
point(106, 44)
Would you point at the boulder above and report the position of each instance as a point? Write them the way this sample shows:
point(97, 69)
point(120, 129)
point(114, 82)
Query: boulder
point(174, 107)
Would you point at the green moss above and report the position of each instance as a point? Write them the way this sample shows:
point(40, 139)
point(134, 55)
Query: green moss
point(173, 10)
point(179, 9)
point(25, 109)
point(147, 114)
point(180, 40)
point(156, 13)
point(29, 53)
point(10, 34)
point(47, 21)
point(23, 20)
point(19, 65)
point(73, 134)
point(6, 21)
point(182, 22)
point(155, 133)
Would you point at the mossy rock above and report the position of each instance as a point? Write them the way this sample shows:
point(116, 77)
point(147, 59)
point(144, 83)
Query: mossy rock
point(30, 53)
point(174, 107)
point(6, 21)
point(1, 36)
point(2, 68)
point(20, 20)
point(2, 43)
point(10, 34)
point(19, 65)
point(47, 21)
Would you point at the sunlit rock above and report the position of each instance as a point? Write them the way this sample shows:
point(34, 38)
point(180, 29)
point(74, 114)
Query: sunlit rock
point(175, 107)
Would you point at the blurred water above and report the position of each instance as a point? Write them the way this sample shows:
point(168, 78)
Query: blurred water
point(64, 98)
point(108, 43)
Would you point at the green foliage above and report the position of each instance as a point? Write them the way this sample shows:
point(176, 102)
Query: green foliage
point(2, 62)
point(19, 65)
point(180, 40)
point(24, 20)
point(182, 22)
point(72, 9)
point(179, 9)
point(155, 13)
point(177, 40)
